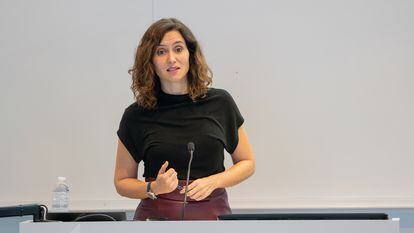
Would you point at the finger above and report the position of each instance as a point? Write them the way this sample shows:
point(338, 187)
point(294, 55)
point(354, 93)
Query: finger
point(172, 178)
point(170, 172)
point(174, 175)
point(193, 185)
point(174, 184)
point(184, 189)
point(163, 168)
point(193, 192)
point(205, 195)
point(171, 186)
point(195, 196)
point(201, 195)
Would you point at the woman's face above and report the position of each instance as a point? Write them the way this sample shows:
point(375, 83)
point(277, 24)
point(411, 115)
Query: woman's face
point(171, 61)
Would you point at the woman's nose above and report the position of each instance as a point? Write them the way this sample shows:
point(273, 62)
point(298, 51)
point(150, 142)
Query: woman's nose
point(171, 57)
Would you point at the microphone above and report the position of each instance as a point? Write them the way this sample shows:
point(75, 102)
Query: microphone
point(190, 148)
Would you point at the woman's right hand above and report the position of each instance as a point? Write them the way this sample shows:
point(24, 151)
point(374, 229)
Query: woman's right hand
point(166, 181)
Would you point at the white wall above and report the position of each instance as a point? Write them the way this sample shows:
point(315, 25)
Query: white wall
point(325, 88)
point(64, 86)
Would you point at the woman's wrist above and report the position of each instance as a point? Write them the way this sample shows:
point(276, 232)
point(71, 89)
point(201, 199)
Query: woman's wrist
point(154, 187)
point(215, 181)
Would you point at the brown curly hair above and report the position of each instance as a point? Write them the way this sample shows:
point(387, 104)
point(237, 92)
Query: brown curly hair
point(146, 83)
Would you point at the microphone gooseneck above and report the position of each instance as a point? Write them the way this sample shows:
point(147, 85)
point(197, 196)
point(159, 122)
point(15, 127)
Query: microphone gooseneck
point(190, 148)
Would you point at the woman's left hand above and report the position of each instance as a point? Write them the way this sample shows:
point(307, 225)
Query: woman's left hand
point(201, 188)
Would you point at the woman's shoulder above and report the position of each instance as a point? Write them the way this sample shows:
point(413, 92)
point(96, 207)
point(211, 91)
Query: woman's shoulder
point(217, 92)
point(132, 107)
point(132, 110)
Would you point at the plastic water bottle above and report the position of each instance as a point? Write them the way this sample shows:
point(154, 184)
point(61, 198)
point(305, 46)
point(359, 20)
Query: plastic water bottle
point(61, 195)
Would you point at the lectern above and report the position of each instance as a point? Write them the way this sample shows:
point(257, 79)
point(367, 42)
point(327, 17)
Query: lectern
point(235, 226)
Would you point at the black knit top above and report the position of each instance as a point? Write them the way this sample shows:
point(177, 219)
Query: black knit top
point(162, 134)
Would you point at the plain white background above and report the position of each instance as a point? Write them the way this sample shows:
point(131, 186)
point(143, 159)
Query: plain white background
point(325, 88)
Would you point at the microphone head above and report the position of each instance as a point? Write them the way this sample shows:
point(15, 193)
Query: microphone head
point(190, 146)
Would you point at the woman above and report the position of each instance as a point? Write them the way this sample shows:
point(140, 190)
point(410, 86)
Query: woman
point(173, 107)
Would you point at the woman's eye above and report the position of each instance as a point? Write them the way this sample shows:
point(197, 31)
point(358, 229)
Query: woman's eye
point(179, 49)
point(160, 52)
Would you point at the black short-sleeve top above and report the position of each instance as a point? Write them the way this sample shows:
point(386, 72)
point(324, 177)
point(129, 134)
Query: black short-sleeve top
point(162, 134)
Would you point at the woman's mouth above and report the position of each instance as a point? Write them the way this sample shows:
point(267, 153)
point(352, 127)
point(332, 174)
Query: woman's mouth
point(173, 70)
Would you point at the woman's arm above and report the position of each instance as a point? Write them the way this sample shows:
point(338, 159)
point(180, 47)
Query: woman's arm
point(125, 178)
point(127, 184)
point(244, 166)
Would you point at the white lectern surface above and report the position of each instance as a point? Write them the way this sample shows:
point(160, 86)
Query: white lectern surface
point(263, 226)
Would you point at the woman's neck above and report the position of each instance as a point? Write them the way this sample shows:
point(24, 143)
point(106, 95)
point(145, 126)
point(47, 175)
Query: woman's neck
point(175, 88)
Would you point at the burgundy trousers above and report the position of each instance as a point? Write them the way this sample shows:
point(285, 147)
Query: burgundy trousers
point(169, 206)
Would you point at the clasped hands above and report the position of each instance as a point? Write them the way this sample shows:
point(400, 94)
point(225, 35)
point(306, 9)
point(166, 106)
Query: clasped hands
point(167, 182)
